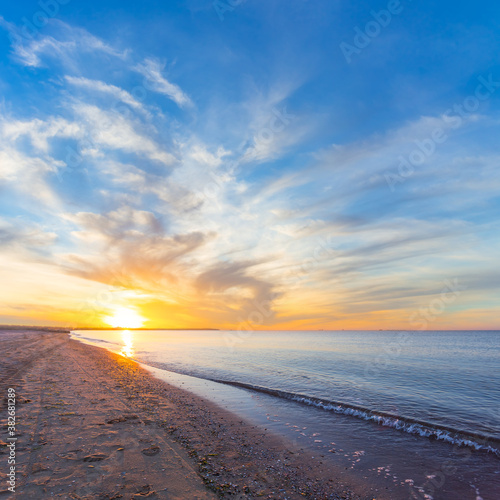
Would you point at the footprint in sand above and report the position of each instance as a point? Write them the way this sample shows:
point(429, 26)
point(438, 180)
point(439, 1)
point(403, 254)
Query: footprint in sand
point(152, 450)
point(122, 419)
point(96, 457)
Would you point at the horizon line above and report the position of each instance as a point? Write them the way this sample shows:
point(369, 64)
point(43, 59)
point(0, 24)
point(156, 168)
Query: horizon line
point(48, 327)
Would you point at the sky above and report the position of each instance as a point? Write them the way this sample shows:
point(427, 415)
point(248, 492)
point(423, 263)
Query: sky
point(250, 165)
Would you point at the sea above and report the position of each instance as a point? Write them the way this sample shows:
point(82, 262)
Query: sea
point(414, 414)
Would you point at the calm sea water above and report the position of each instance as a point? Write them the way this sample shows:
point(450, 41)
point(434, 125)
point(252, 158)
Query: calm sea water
point(439, 385)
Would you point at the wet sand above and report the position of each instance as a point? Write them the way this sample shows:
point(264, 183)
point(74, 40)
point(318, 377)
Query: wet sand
point(94, 425)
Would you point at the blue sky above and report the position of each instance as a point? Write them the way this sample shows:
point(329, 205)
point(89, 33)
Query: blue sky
point(250, 165)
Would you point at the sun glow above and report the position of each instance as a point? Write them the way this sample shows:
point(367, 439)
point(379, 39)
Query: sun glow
point(125, 317)
point(128, 344)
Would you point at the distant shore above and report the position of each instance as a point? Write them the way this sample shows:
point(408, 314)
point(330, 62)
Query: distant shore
point(64, 329)
point(93, 424)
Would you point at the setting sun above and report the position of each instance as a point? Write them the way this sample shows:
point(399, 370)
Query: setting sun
point(124, 317)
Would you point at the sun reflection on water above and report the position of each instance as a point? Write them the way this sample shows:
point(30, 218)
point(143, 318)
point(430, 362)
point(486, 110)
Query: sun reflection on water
point(128, 344)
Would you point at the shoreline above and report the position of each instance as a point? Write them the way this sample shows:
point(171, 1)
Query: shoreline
point(132, 425)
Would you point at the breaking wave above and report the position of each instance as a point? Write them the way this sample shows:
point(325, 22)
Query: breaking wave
point(476, 441)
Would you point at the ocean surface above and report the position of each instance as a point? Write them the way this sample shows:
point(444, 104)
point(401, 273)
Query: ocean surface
point(434, 387)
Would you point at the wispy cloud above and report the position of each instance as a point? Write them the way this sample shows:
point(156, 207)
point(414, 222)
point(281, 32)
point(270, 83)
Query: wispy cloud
point(67, 43)
point(98, 86)
point(154, 80)
point(112, 130)
point(28, 177)
point(231, 287)
point(27, 237)
point(39, 131)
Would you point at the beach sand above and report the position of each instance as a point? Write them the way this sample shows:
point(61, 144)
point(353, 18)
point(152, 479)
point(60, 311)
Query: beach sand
point(95, 425)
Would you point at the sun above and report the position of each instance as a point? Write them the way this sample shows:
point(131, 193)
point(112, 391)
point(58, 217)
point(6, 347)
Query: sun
point(125, 317)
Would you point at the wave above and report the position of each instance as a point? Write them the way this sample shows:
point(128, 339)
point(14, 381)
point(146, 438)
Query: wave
point(474, 440)
point(77, 336)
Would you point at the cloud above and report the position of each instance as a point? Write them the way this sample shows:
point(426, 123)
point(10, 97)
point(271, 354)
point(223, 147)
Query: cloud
point(351, 178)
point(112, 130)
point(271, 127)
point(275, 134)
point(116, 226)
point(155, 81)
point(28, 176)
point(69, 42)
point(24, 236)
point(231, 286)
point(99, 86)
point(200, 154)
point(132, 246)
point(39, 131)
point(178, 199)
point(28, 169)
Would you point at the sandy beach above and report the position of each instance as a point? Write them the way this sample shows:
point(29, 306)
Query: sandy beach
point(93, 424)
